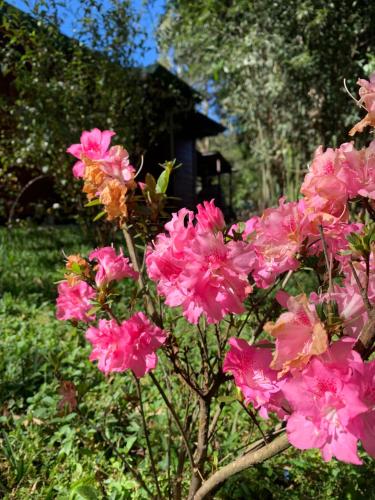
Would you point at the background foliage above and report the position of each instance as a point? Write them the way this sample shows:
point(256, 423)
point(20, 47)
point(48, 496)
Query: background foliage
point(91, 80)
point(275, 71)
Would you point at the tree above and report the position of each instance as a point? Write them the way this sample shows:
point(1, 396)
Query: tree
point(268, 66)
point(53, 87)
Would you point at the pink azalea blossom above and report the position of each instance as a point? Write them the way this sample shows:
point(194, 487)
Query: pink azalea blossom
point(195, 268)
point(165, 260)
point(94, 145)
point(279, 235)
point(325, 398)
point(335, 235)
point(367, 174)
point(333, 179)
point(74, 302)
point(299, 335)
point(214, 280)
point(128, 346)
point(364, 424)
point(250, 367)
point(367, 93)
point(116, 164)
point(209, 217)
point(111, 267)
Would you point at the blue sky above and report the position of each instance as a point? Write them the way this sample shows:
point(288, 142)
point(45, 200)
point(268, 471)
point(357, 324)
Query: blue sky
point(149, 10)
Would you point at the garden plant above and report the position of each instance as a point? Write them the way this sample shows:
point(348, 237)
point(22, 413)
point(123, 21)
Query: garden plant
point(274, 315)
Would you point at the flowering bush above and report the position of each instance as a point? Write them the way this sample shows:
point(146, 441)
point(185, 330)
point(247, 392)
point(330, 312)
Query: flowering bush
point(307, 357)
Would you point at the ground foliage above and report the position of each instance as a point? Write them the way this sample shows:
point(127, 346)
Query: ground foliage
point(81, 451)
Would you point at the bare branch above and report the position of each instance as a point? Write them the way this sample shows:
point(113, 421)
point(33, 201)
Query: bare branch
point(363, 291)
point(366, 339)
point(275, 447)
point(145, 430)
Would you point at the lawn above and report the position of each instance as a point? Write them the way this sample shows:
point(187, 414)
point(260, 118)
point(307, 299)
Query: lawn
point(69, 432)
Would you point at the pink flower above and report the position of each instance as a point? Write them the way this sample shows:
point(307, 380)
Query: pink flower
point(196, 269)
point(94, 145)
point(74, 302)
point(128, 346)
point(111, 267)
point(165, 261)
point(214, 281)
point(279, 235)
point(335, 234)
point(367, 174)
point(364, 424)
point(325, 397)
point(250, 367)
point(333, 179)
point(209, 217)
point(116, 164)
point(299, 335)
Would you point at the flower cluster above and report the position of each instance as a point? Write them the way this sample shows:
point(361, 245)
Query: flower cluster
point(130, 345)
point(284, 235)
point(117, 347)
point(195, 267)
point(106, 172)
point(76, 293)
point(306, 369)
point(325, 393)
point(111, 267)
point(310, 376)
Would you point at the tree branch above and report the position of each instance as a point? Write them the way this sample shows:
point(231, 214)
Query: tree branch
point(145, 429)
point(276, 446)
point(363, 291)
point(366, 339)
point(202, 445)
point(175, 418)
point(150, 307)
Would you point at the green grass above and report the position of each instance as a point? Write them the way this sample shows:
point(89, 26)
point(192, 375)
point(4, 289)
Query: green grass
point(47, 452)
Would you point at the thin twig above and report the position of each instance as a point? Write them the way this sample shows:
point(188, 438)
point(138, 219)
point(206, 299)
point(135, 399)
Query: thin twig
point(219, 346)
point(357, 101)
point(175, 417)
point(150, 306)
point(204, 347)
point(145, 429)
point(254, 420)
point(214, 422)
point(361, 289)
point(327, 260)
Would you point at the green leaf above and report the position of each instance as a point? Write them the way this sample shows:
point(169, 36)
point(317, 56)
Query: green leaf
point(76, 268)
point(163, 181)
point(93, 203)
point(85, 491)
point(150, 182)
point(129, 443)
point(99, 216)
